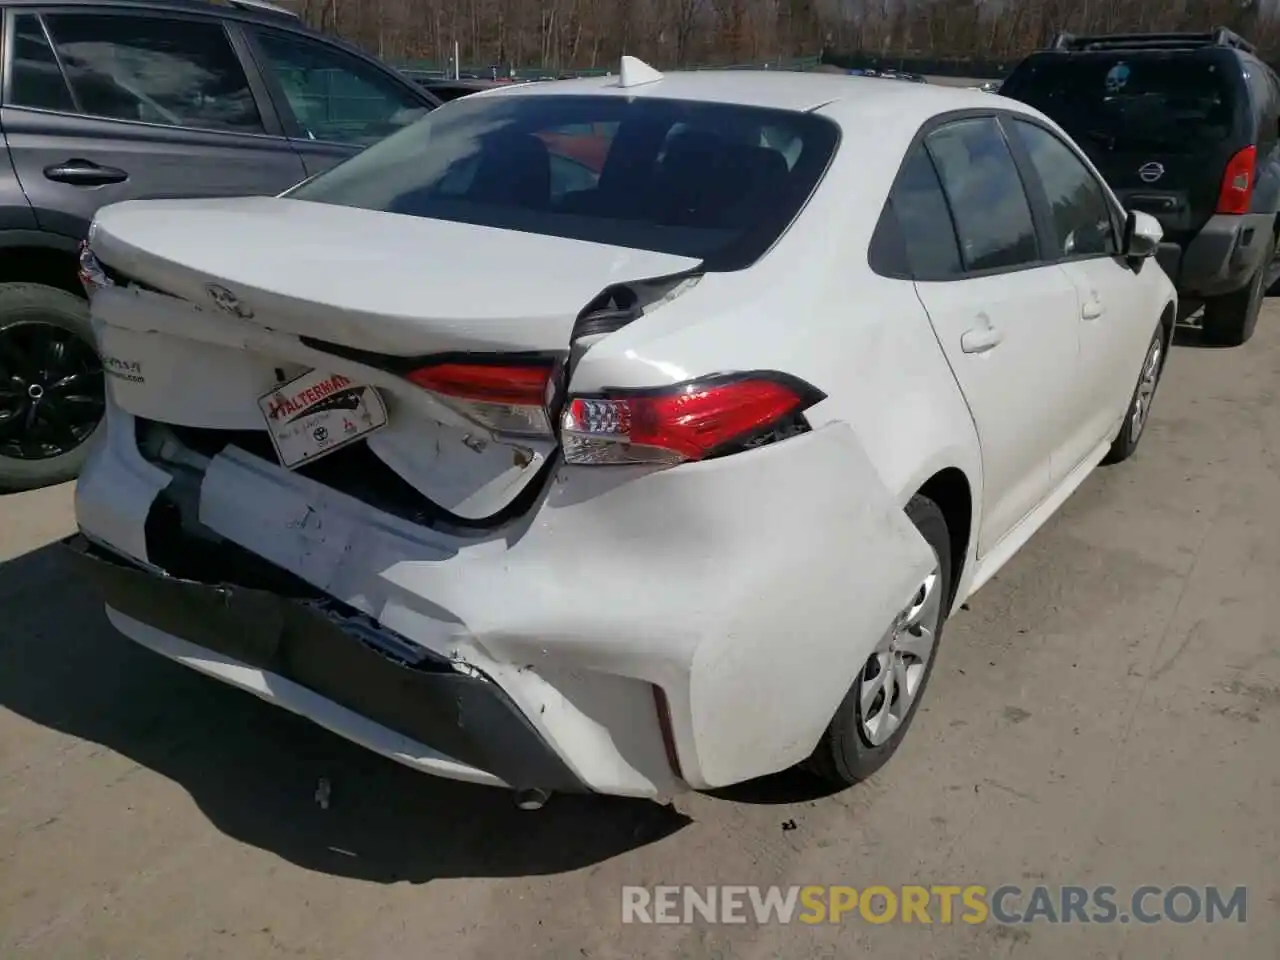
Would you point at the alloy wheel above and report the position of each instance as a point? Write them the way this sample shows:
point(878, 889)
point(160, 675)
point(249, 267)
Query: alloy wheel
point(1146, 390)
point(895, 672)
point(51, 391)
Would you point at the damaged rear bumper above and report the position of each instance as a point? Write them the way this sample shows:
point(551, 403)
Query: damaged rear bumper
point(764, 578)
point(334, 665)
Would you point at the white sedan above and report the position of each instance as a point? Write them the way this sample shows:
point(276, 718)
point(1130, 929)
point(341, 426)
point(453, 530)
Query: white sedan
point(664, 478)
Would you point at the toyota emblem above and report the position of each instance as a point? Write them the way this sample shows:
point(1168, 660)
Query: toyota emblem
point(228, 302)
point(1151, 172)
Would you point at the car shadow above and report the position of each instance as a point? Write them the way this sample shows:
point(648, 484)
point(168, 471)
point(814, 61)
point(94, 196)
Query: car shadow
point(789, 786)
point(254, 770)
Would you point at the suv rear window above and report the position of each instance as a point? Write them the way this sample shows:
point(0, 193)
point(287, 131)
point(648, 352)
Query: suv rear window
point(1119, 102)
point(718, 182)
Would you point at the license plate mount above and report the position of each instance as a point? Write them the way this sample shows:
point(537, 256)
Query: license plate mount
point(317, 413)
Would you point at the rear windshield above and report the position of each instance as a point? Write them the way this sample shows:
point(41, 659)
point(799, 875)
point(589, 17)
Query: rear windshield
point(1117, 103)
point(717, 182)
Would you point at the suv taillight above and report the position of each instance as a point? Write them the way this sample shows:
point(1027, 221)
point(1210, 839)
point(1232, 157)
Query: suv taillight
point(1237, 182)
point(687, 421)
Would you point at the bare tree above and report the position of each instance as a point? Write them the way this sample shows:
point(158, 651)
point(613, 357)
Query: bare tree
point(561, 34)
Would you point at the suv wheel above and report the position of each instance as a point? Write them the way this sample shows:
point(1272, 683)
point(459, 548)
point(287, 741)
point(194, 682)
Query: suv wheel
point(1230, 320)
point(51, 386)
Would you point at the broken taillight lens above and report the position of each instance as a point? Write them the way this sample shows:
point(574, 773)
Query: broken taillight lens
point(507, 398)
point(688, 421)
point(92, 276)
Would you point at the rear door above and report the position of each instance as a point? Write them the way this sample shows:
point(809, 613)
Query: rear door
point(1161, 126)
point(109, 105)
point(1005, 317)
point(333, 102)
point(1083, 233)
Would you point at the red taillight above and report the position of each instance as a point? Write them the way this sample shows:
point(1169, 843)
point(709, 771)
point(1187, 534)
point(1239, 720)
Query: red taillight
point(1237, 182)
point(685, 422)
point(506, 398)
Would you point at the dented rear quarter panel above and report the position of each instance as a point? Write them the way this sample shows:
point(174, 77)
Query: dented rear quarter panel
point(814, 309)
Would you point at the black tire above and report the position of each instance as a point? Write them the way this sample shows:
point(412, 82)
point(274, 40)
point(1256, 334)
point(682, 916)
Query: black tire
point(844, 756)
point(25, 308)
point(1230, 320)
point(1131, 431)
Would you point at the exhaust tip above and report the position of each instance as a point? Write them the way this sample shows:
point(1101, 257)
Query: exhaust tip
point(533, 799)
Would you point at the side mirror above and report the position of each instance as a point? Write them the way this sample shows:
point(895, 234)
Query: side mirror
point(1142, 235)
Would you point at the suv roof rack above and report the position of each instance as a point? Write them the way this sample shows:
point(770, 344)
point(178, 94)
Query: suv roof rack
point(1217, 37)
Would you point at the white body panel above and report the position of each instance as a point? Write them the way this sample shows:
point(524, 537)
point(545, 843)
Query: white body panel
point(999, 350)
point(761, 578)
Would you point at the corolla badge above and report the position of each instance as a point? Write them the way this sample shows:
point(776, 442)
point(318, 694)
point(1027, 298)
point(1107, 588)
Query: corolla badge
point(227, 301)
point(1151, 172)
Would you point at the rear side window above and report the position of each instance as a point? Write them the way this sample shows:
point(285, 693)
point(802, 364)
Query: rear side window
point(992, 216)
point(925, 221)
point(36, 80)
point(716, 182)
point(1081, 212)
point(335, 96)
point(174, 72)
point(1150, 102)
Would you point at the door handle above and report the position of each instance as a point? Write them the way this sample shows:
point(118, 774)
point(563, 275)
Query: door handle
point(84, 173)
point(1092, 308)
point(981, 339)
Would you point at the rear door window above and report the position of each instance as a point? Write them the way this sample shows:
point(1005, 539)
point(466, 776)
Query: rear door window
point(35, 78)
point(1082, 215)
point(992, 216)
point(334, 96)
point(149, 69)
point(1117, 103)
point(925, 222)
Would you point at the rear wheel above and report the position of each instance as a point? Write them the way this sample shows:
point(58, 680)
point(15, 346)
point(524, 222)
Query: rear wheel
point(1230, 320)
point(875, 714)
point(51, 386)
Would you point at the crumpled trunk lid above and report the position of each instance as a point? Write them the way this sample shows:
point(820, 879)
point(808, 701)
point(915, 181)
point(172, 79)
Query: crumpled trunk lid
point(266, 304)
point(372, 281)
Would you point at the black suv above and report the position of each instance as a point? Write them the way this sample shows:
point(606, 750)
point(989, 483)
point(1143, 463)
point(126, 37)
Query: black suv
point(1186, 128)
point(108, 100)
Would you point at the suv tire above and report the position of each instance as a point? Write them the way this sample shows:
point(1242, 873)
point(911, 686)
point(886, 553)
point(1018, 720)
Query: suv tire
point(1230, 320)
point(51, 404)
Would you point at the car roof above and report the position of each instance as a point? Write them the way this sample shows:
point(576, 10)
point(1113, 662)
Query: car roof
point(264, 13)
point(840, 95)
